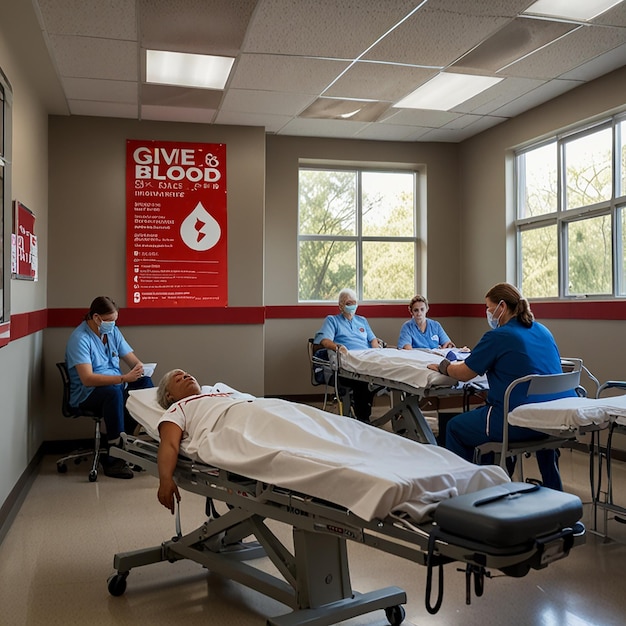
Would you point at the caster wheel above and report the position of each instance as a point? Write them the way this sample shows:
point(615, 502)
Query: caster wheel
point(62, 468)
point(117, 584)
point(93, 476)
point(395, 615)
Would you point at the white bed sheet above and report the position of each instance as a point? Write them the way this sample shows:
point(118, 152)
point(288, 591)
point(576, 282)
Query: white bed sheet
point(404, 366)
point(367, 470)
point(570, 413)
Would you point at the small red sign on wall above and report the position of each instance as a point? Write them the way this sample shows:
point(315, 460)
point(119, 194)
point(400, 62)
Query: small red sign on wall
point(176, 224)
point(24, 243)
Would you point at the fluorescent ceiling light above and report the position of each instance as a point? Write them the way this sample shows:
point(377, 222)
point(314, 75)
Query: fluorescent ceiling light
point(582, 10)
point(187, 70)
point(446, 90)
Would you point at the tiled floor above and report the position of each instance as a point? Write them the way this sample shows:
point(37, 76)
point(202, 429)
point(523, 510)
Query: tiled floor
point(57, 556)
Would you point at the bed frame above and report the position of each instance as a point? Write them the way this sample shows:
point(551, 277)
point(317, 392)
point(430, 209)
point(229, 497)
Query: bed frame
point(315, 574)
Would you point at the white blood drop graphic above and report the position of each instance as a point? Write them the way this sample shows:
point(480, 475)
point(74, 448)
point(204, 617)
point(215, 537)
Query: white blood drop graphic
point(200, 231)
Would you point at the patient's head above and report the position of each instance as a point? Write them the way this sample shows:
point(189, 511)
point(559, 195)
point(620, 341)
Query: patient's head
point(176, 385)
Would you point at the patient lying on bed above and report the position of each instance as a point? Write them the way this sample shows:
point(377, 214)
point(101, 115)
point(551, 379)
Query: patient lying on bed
point(369, 471)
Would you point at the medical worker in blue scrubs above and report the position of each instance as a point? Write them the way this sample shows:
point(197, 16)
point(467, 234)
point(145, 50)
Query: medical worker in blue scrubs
point(92, 356)
point(516, 346)
point(420, 331)
point(349, 331)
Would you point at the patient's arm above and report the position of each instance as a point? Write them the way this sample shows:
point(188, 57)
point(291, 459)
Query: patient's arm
point(170, 435)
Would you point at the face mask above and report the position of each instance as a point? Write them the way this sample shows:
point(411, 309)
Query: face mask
point(350, 308)
point(494, 322)
point(106, 327)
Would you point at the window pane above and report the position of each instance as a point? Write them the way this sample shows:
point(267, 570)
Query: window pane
point(588, 169)
point(388, 271)
point(539, 256)
point(325, 268)
point(327, 203)
point(589, 256)
point(537, 173)
point(621, 218)
point(387, 204)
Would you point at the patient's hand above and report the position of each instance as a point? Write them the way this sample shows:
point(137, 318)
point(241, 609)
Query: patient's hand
point(167, 492)
point(433, 366)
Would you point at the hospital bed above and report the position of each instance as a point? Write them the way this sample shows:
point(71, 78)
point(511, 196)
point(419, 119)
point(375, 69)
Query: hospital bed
point(405, 371)
point(576, 418)
point(433, 510)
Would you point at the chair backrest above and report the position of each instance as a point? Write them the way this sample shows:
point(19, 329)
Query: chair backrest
point(321, 370)
point(66, 408)
point(543, 385)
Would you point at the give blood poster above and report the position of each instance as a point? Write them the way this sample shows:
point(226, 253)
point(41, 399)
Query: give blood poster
point(176, 252)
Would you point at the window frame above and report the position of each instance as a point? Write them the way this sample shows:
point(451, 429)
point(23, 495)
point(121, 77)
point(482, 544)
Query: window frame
point(563, 216)
point(6, 214)
point(419, 230)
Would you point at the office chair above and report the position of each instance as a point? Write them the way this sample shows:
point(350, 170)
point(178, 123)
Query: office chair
point(69, 411)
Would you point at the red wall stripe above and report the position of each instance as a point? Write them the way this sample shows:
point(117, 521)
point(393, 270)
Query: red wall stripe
point(24, 324)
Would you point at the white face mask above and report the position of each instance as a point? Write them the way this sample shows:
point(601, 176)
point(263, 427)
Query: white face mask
point(491, 320)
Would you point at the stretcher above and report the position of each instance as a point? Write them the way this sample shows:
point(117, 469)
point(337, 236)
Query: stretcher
point(511, 527)
point(405, 371)
point(581, 419)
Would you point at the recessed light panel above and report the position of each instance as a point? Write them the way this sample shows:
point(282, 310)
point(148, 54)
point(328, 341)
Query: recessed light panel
point(581, 10)
point(187, 70)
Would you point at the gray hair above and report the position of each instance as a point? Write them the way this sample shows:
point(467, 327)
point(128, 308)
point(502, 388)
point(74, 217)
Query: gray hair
point(347, 294)
point(163, 396)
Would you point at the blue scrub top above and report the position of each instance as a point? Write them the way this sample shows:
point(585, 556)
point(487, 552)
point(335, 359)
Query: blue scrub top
point(354, 334)
point(510, 352)
point(85, 346)
point(434, 336)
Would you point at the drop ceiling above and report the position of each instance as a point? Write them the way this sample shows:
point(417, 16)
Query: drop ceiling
point(300, 64)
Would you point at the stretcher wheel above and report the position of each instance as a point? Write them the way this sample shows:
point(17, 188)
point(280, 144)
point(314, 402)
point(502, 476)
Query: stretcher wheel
point(395, 614)
point(61, 468)
point(93, 476)
point(117, 584)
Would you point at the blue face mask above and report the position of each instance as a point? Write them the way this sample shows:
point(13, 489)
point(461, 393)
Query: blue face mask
point(350, 308)
point(106, 327)
point(494, 322)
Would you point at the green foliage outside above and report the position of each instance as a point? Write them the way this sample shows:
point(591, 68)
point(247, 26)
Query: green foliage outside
point(589, 249)
point(328, 217)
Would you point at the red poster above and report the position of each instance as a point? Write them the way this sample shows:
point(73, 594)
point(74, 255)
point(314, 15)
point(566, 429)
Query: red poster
point(25, 262)
point(176, 253)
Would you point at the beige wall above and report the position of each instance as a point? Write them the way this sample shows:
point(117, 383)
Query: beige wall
point(21, 369)
point(87, 255)
point(286, 365)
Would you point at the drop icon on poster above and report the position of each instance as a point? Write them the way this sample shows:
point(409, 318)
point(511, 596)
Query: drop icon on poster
point(199, 230)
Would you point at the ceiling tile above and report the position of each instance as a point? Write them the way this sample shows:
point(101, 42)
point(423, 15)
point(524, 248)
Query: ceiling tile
point(171, 96)
point(114, 19)
point(88, 57)
point(323, 28)
point(177, 114)
point(322, 128)
point(378, 81)
point(103, 109)
point(568, 52)
point(257, 101)
point(271, 72)
point(434, 38)
point(103, 90)
point(271, 123)
point(195, 26)
point(419, 117)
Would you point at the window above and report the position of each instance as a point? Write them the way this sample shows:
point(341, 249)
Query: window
point(571, 203)
point(5, 204)
point(357, 228)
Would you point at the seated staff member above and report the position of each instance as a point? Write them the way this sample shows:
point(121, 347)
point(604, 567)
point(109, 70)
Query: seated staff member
point(420, 331)
point(97, 384)
point(348, 331)
point(516, 346)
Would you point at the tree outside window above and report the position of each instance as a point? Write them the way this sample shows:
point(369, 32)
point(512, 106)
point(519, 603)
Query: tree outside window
point(357, 229)
point(570, 193)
